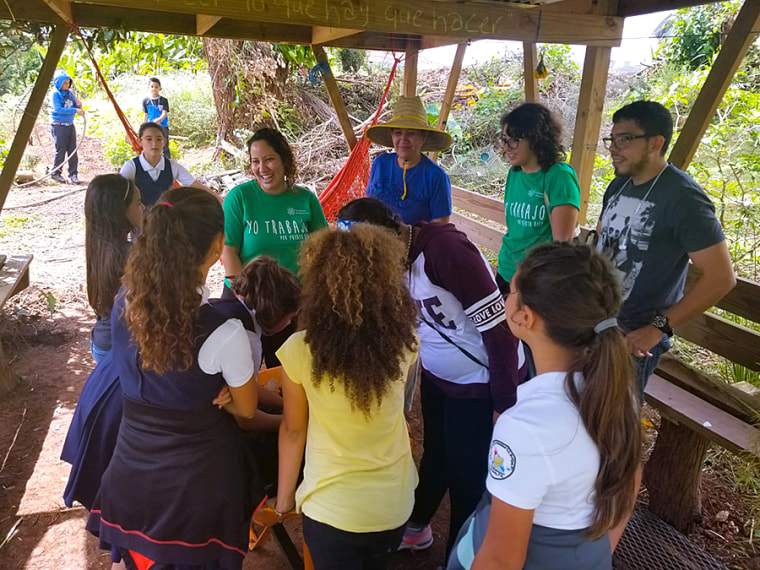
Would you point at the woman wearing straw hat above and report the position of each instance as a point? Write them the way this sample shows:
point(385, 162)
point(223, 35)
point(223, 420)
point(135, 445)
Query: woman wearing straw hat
point(409, 182)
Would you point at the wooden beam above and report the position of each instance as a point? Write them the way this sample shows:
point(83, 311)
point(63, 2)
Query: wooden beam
point(742, 35)
point(638, 7)
point(418, 17)
point(20, 140)
point(335, 98)
point(451, 88)
point(735, 342)
point(477, 232)
point(588, 120)
point(430, 42)
point(410, 68)
point(324, 35)
point(203, 23)
point(530, 62)
point(62, 8)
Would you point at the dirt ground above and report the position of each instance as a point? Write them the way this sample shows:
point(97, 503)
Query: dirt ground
point(49, 354)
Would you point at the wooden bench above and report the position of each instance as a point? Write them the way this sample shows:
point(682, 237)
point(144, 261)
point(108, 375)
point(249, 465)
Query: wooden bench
point(695, 408)
point(14, 277)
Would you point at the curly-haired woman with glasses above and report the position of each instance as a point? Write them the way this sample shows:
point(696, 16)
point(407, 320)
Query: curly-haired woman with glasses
point(542, 195)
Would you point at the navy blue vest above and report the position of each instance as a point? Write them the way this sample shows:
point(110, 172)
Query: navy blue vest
point(149, 189)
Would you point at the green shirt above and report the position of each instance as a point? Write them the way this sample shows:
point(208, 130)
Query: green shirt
point(258, 223)
point(529, 199)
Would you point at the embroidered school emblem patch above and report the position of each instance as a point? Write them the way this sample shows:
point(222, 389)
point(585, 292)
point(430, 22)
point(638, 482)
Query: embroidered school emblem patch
point(501, 460)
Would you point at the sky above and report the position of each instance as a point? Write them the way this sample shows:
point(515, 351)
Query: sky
point(636, 48)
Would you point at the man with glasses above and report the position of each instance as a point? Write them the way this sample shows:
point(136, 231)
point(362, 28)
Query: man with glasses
point(655, 218)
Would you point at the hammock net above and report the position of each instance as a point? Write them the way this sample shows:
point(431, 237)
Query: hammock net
point(351, 181)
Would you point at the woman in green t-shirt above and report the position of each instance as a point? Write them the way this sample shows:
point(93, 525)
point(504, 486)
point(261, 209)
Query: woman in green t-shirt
point(269, 215)
point(542, 195)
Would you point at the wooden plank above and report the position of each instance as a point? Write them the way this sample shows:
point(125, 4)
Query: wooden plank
point(742, 300)
point(480, 234)
point(742, 35)
point(429, 42)
point(260, 31)
point(638, 7)
point(62, 8)
point(451, 88)
point(324, 35)
point(203, 23)
point(479, 204)
point(530, 62)
point(717, 392)
point(14, 276)
point(94, 16)
point(735, 342)
point(29, 117)
point(419, 17)
point(588, 120)
point(335, 97)
point(410, 68)
point(688, 410)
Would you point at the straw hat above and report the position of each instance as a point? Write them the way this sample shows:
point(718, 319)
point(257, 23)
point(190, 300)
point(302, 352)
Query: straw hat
point(408, 113)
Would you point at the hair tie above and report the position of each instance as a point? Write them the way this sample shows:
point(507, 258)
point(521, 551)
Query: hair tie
point(344, 225)
point(602, 326)
point(126, 193)
point(167, 204)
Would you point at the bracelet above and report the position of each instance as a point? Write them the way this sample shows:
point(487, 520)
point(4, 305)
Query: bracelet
point(279, 515)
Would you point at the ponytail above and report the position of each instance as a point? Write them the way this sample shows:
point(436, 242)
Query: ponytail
point(606, 400)
point(163, 276)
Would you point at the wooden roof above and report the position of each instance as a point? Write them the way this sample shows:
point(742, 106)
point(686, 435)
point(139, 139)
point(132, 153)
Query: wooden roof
point(366, 24)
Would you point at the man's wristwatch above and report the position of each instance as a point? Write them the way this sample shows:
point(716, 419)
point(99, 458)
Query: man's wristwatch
point(661, 322)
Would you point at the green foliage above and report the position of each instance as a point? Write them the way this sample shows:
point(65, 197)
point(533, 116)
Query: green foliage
point(3, 150)
point(295, 55)
point(193, 114)
point(50, 300)
point(130, 52)
point(20, 61)
point(352, 59)
point(692, 37)
point(116, 148)
point(559, 63)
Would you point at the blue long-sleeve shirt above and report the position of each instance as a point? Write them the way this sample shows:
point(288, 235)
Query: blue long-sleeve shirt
point(64, 103)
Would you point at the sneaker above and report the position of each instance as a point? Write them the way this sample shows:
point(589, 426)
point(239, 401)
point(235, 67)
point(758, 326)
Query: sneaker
point(74, 179)
point(416, 538)
point(58, 177)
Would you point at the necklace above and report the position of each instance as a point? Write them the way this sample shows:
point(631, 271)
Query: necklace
point(409, 245)
point(651, 186)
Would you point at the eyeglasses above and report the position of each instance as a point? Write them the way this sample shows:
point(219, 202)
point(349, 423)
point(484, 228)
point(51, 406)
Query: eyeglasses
point(622, 141)
point(510, 142)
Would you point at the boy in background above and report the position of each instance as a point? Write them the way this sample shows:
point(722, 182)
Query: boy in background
point(65, 108)
point(156, 110)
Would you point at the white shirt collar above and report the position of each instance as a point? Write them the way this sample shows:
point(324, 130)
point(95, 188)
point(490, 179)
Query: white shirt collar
point(147, 167)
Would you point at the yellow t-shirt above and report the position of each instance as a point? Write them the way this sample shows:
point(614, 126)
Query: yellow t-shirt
point(359, 474)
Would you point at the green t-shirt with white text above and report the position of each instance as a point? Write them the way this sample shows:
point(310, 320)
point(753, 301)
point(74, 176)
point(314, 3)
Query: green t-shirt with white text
point(258, 223)
point(528, 201)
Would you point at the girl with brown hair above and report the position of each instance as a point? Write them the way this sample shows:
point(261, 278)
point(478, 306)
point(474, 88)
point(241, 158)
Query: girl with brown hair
point(564, 458)
point(177, 489)
point(344, 387)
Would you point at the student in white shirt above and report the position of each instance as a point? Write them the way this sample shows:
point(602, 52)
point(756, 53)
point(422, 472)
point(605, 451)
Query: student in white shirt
point(563, 460)
point(149, 170)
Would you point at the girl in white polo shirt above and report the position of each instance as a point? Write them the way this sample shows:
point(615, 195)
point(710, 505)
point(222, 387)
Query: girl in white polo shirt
point(563, 459)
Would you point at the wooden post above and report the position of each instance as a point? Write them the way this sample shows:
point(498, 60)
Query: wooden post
point(530, 62)
point(672, 475)
point(33, 106)
point(743, 33)
point(335, 98)
point(451, 88)
point(588, 120)
point(410, 68)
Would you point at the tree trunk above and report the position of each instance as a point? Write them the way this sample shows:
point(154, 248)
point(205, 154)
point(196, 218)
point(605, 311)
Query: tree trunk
point(672, 475)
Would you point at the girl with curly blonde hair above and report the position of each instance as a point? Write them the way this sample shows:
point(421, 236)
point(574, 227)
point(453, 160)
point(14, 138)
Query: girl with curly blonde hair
point(176, 445)
point(344, 387)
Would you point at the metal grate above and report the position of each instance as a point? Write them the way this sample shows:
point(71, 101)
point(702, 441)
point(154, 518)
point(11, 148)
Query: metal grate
point(650, 544)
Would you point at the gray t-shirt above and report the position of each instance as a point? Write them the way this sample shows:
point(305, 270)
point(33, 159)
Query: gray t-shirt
point(648, 231)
